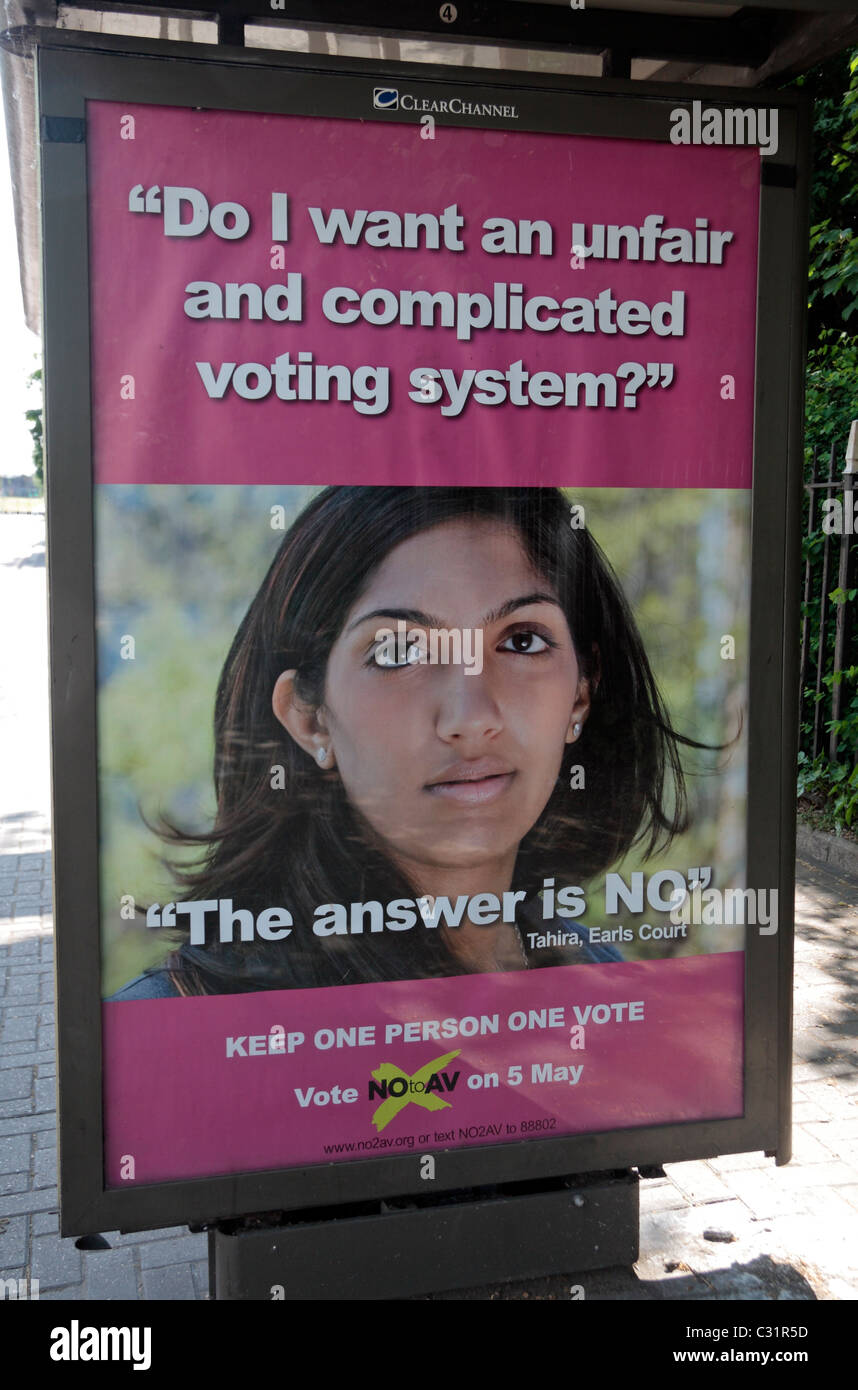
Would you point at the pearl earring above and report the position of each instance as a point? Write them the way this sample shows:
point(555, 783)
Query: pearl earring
point(321, 754)
point(576, 729)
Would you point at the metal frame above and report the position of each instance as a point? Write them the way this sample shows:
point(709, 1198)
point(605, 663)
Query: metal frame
point(744, 38)
point(408, 1251)
point(68, 74)
point(766, 38)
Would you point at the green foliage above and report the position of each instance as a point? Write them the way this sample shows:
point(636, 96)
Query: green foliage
point(831, 394)
point(833, 269)
point(846, 727)
point(831, 404)
point(834, 265)
point(832, 788)
point(34, 420)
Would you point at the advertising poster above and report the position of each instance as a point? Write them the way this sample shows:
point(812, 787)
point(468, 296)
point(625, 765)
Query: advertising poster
point(422, 458)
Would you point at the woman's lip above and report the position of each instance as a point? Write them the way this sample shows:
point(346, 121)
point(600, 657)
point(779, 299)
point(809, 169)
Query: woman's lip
point(473, 770)
point(473, 793)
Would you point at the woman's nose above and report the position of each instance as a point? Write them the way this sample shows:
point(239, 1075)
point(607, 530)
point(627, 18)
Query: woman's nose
point(468, 708)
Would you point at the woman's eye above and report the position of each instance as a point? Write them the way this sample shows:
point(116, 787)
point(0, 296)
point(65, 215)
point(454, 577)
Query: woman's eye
point(526, 643)
point(394, 656)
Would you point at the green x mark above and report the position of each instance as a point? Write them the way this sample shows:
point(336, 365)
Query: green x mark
point(429, 1099)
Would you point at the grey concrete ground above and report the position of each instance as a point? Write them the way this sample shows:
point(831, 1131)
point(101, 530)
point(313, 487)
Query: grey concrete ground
point(730, 1228)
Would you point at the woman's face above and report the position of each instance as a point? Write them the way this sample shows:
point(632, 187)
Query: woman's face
point(453, 763)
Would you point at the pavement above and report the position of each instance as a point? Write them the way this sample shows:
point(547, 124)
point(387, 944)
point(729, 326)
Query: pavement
point(731, 1228)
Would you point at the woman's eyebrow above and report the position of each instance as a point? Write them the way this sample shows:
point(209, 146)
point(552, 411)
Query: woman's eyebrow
point(416, 615)
point(407, 615)
point(514, 603)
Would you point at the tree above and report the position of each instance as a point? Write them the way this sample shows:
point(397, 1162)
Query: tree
point(35, 426)
point(831, 403)
point(833, 271)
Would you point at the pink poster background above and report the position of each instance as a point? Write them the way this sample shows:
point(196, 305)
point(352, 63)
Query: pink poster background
point(174, 1100)
point(684, 435)
point(181, 1108)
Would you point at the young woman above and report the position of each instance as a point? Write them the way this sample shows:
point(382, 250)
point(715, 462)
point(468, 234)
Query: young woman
point(354, 766)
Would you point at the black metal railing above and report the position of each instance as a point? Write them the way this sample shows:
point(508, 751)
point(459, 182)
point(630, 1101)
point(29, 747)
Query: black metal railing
point(828, 629)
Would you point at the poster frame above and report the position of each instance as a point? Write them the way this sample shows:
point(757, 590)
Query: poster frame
point(68, 74)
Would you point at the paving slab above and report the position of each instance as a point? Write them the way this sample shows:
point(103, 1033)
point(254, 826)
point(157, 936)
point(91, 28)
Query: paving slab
point(173, 1282)
point(14, 1249)
point(55, 1262)
point(112, 1275)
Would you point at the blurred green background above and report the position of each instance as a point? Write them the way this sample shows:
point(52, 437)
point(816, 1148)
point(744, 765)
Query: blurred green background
point(177, 567)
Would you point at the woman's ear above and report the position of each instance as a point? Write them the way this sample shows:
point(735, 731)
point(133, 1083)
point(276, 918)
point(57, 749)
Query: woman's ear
point(580, 711)
point(587, 687)
point(302, 721)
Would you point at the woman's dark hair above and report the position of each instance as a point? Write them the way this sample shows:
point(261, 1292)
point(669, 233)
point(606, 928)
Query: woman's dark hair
point(292, 838)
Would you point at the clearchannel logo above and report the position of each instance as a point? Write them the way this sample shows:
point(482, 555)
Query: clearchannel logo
point(391, 99)
point(385, 98)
